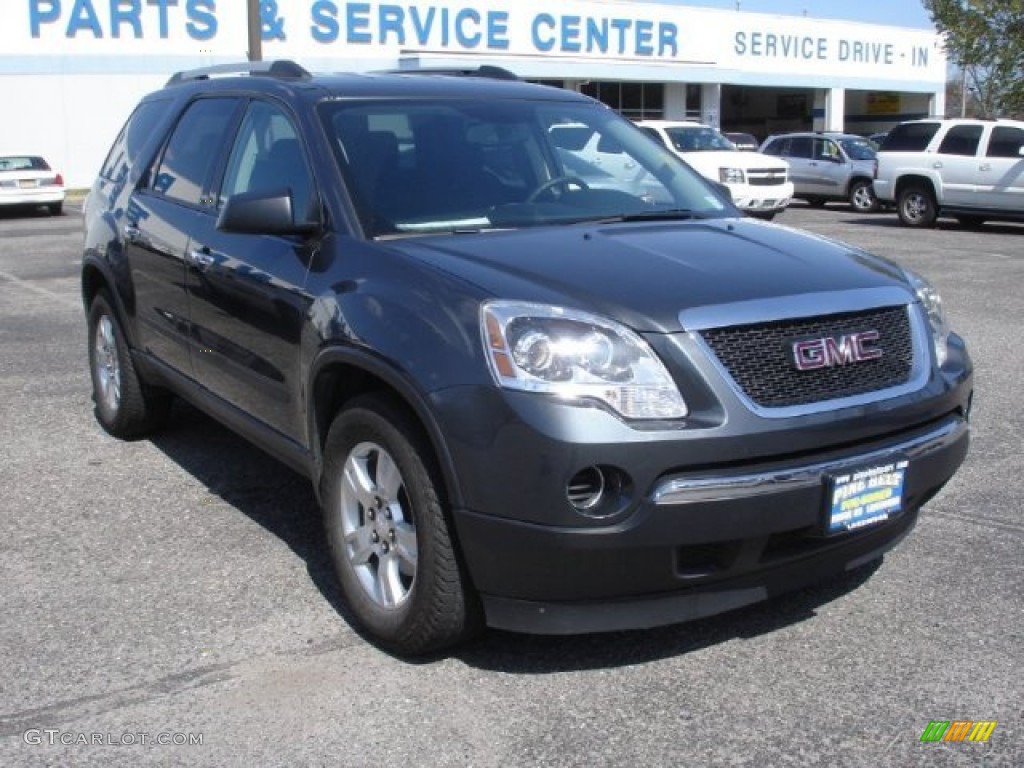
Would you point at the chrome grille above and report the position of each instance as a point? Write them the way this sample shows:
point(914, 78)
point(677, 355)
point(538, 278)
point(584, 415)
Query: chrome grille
point(759, 357)
point(766, 177)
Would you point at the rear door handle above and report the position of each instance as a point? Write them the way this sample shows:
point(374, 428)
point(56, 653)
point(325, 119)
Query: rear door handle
point(985, 167)
point(131, 232)
point(937, 164)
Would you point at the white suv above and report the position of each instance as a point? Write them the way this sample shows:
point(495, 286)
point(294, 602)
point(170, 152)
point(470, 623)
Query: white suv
point(759, 184)
point(970, 169)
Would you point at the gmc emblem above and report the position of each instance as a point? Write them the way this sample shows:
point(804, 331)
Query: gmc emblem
point(811, 354)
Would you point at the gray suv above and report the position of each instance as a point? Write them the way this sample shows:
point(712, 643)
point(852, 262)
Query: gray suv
point(828, 166)
point(523, 400)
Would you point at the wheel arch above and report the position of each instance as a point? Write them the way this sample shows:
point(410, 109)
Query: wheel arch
point(916, 179)
point(340, 374)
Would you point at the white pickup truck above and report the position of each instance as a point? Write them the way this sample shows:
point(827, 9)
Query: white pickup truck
point(759, 184)
point(970, 169)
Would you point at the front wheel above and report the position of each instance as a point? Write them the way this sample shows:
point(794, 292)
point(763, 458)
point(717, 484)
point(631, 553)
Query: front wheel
point(862, 197)
point(125, 406)
point(389, 538)
point(916, 207)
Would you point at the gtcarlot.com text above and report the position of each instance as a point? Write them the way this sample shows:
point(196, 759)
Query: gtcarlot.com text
point(55, 736)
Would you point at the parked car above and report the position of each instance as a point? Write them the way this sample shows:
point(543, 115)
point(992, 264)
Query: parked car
point(28, 180)
point(759, 184)
point(828, 166)
point(743, 141)
point(970, 169)
point(523, 402)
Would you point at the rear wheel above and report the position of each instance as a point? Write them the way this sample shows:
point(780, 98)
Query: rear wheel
point(915, 205)
point(389, 536)
point(862, 196)
point(125, 406)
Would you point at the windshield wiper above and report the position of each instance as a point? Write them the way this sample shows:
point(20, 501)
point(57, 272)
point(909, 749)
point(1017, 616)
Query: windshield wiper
point(669, 214)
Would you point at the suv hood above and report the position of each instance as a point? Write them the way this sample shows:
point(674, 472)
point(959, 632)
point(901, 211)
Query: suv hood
point(709, 162)
point(644, 274)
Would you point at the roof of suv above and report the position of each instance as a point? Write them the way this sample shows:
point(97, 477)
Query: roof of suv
point(815, 134)
point(485, 81)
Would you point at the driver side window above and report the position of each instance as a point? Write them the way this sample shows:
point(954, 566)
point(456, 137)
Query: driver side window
point(268, 157)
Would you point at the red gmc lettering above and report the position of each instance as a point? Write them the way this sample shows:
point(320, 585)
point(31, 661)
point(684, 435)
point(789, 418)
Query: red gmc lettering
point(829, 351)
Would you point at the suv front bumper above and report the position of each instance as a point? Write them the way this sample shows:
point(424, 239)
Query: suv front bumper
point(697, 544)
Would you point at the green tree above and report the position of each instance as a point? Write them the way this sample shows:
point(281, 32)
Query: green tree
point(985, 38)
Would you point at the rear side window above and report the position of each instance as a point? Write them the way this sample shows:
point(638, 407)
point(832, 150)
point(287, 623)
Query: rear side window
point(1006, 141)
point(193, 149)
point(961, 140)
point(128, 145)
point(800, 146)
point(910, 137)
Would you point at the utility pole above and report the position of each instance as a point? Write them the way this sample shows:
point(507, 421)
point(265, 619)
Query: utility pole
point(255, 32)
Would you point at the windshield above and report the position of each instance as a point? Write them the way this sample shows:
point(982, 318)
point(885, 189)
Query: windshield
point(455, 166)
point(697, 138)
point(858, 149)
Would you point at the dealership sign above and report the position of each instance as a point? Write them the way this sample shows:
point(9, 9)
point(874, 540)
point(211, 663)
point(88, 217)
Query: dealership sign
point(581, 30)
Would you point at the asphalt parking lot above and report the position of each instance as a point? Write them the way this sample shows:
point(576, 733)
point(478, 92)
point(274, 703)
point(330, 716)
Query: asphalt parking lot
point(177, 589)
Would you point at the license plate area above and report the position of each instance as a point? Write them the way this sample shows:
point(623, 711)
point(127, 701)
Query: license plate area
point(28, 183)
point(864, 496)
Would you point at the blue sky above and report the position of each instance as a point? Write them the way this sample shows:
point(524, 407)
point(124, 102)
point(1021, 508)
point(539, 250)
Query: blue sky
point(896, 13)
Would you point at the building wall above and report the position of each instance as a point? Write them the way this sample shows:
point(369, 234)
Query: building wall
point(74, 68)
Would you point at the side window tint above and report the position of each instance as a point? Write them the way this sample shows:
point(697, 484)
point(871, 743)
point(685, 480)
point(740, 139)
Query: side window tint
point(779, 147)
point(138, 129)
point(192, 150)
point(961, 140)
point(910, 137)
point(801, 147)
point(268, 157)
point(653, 134)
point(1006, 141)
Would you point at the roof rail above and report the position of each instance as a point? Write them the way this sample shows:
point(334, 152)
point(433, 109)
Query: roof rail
point(486, 70)
point(283, 69)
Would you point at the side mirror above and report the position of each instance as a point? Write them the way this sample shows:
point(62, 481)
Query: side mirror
point(262, 213)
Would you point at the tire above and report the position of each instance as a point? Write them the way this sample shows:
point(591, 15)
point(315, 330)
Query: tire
point(388, 533)
point(816, 202)
point(915, 205)
point(125, 406)
point(56, 209)
point(970, 221)
point(862, 197)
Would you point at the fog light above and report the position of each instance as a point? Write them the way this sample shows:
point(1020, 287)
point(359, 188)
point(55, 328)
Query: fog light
point(598, 491)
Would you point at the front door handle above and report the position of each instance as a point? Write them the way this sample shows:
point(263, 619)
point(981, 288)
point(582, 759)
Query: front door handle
point(131, 232)
point(985, 167)
point(201, 258)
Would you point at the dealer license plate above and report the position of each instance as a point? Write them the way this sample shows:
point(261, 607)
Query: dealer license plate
point(864, 497)
point(27, 183)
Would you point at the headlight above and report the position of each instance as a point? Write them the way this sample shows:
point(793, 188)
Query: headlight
point(578, 356)
point(932, 304)
point(731, 176)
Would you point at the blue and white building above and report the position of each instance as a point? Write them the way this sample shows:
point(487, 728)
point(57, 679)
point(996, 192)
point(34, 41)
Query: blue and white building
point(71, 70)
